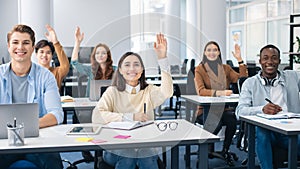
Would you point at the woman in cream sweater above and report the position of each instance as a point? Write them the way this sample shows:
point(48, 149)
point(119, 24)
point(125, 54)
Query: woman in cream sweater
point(119, 103)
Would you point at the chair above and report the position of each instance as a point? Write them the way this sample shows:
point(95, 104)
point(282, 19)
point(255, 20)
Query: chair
point(23, 164)
point(230, 63)
point(175, 108)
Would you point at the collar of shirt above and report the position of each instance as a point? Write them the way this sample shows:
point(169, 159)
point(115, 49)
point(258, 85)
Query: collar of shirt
point(129, 88)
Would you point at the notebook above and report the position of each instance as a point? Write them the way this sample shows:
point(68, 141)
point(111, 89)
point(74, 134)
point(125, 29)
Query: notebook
point(280, 115)
point(95, 88)
point(127, 125)
point(26, 113)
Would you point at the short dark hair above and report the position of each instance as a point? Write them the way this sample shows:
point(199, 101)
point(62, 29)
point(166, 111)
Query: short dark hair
point(269, 46)
point(22, 29)
point(43, 43)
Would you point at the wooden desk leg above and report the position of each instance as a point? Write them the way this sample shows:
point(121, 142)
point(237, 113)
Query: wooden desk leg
point(251, 146)
point(203, 156)
point(175, 157)
point(293, 148)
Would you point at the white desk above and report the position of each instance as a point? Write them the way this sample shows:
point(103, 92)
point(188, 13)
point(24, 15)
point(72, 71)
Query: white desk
point(206, 101)
point(80, 104)
point(158, 82)
point(291, 129)
point(175, 76)
point(54, 139)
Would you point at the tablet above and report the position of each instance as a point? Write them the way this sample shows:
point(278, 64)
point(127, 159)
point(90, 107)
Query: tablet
point(84, 130)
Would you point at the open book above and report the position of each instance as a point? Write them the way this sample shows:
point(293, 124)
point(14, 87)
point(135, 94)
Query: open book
point(66, 99)
point(280, 115)
point(127, 125)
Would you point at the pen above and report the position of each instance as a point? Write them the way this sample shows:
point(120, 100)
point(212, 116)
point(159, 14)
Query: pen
point(15, 122)
point(268, 100)
point(144, 108)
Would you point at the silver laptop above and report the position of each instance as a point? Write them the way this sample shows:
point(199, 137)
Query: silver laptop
point(95, 88)
point(26, 113)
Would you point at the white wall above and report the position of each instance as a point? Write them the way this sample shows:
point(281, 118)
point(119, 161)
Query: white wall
point(100, 20)
point(8, 18)
point(213, 23)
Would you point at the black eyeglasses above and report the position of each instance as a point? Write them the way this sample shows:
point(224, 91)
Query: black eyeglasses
point(162, 126)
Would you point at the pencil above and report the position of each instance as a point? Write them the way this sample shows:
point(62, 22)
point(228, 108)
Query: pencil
point(145, 109)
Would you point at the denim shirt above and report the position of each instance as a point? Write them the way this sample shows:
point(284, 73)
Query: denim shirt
point(42, 89)
point(253, 94)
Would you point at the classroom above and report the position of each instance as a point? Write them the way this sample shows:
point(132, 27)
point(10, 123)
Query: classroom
point(175, 45)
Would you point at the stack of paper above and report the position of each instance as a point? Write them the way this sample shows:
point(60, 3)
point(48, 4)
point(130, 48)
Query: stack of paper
point(66, 99)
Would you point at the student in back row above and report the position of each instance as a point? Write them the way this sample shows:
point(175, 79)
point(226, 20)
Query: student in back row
point(22, 81)
point(282, 88)
point(101, 61)
point(44, 52)
point(213, 78)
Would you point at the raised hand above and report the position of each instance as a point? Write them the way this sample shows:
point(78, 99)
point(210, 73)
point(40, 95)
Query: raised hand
point(160, 46)
point(237, 52)
point(78, 35)
point(51, 35)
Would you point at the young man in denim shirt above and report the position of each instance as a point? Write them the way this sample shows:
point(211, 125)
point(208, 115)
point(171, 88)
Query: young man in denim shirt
point(23, 81)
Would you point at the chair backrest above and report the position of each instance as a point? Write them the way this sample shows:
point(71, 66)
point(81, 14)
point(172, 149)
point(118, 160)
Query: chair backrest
point(190, 88)
point(240, 82)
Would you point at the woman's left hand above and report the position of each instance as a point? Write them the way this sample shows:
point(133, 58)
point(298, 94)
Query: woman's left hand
point(160, 46)
point(237, 52)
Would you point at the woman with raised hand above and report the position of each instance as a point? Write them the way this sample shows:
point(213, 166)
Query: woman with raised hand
point(101, 67)
point(213, 78)
point(125, 100)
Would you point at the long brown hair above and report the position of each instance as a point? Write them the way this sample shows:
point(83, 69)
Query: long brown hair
point(118, 79)
point(96, 69)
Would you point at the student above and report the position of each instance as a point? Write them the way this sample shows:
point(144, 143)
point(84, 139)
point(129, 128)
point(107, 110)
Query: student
point(23, 81)
point(212, 78)
point(124, 101)
point(101, 61)
point(282, 88)
point(44, 52)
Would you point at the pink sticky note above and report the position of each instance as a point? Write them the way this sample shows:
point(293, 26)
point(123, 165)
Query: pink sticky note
point(122, 136)
point(98, 141)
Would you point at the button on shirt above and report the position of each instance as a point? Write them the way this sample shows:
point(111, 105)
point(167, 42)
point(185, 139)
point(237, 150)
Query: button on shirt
point(42, 89)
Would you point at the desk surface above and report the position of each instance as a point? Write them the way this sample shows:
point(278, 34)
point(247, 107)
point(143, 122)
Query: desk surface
point(159, 75)
point(284, 126)
point(54, 139)
point(208, 100)
point(156, 82)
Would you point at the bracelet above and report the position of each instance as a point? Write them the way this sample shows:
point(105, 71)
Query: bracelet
point(241, 62)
